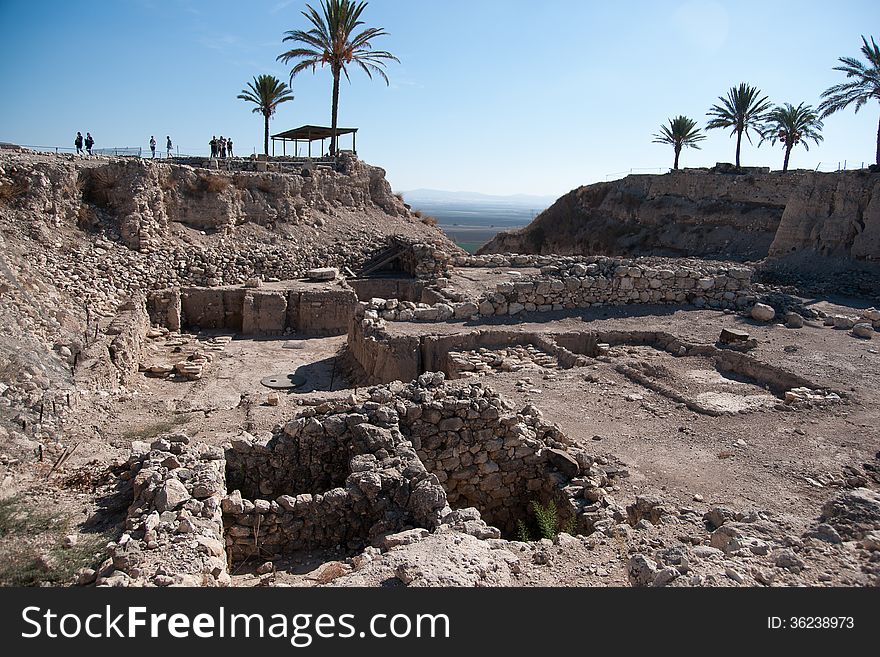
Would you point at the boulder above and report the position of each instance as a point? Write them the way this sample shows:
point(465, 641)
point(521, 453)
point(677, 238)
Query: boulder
point(794, 321)
point(322, 274)
point(763, 313)
point(863, 330)
point(564, 462)
point(733, 336)
point(171, 495)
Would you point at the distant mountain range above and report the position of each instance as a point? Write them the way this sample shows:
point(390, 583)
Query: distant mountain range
point(434, 196)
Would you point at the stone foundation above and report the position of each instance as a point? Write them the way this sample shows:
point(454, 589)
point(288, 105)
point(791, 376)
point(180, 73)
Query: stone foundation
point(308, 309)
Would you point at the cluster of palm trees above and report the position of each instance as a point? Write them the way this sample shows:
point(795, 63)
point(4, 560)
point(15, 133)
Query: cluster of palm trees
point(334, 41)
point(745, 111)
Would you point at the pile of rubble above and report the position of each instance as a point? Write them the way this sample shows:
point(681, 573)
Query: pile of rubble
point(174, 531)
point(510, 359)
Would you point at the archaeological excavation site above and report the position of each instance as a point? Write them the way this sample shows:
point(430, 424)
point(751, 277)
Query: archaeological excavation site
point(286, 376)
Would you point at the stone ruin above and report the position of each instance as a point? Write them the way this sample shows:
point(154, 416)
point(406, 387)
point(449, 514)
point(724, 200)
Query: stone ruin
point(350, 474)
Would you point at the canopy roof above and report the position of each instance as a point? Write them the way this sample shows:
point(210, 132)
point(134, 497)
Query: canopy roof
point(312, 133)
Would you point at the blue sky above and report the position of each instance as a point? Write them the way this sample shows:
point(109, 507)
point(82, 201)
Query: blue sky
point(493, 96)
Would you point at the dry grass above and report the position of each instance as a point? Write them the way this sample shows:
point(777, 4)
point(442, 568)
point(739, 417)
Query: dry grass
point(86, 217)
point(215, 184)
point(11, 192)
point(97, 187)
point(150, 431)
point(167, 183)
point(428, 220)
point(31, 541)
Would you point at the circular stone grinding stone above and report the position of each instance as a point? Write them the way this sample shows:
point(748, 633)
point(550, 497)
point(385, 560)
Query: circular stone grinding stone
point(281, 381)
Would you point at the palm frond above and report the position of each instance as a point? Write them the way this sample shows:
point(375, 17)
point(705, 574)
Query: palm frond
point(266, 92)
point(333, 41)
point(864, 86)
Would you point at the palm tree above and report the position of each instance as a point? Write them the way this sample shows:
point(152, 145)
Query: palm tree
point(791, 126)
point(864, 86)
point(267, 92)
point(332, 42)
point(680, 132)
point(742, 110)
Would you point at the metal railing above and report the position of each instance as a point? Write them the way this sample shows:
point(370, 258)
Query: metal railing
point(845, 165)
point(621, 174)
point(826, 167)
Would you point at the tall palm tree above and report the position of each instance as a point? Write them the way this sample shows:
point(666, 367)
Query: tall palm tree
point(791, 126)
point(332, 41)
point(680, 132)
point(267, 92)
point(742, 110)
point(864, 86)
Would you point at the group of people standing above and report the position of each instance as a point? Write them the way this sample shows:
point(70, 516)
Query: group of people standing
point(79, 142)
point(168, 147)
point(221, 147)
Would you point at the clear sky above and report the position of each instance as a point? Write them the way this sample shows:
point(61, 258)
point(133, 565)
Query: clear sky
point(493, 96)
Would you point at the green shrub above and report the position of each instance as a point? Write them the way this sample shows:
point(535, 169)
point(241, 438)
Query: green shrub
point(545, 519)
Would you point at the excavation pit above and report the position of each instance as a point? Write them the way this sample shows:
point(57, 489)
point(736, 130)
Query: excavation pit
point(347, 476)
point(334, 482)
point(708, 379)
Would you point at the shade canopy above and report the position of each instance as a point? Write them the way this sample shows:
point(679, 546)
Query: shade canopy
point(312, 133)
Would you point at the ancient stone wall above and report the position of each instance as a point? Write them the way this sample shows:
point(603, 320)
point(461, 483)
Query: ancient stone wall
point(174, 532)
point(336, 480)
point(580, 282)
point(383, 357)
point(114, 356)
point(424, 261)
point(607, 281)
point(262, 312)
point(493, 460)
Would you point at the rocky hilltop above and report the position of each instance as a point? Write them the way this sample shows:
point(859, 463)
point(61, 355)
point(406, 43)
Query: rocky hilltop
point(80, 237)
point(710, 213)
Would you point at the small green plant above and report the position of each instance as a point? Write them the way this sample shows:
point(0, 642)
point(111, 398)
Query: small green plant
point(522, 532)
point(545, 518)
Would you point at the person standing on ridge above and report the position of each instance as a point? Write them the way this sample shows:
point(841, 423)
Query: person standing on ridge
point(168, 147)
point(78, 142)
point(229, 145)
point(153, 146)
point(89, 143)
point(213, 143)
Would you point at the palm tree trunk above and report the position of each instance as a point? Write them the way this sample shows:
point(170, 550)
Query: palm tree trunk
point(677, 153)
point(266, 135)
point(787, 155)
point(878, 145)
point(334, 111)
point(739, 137)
